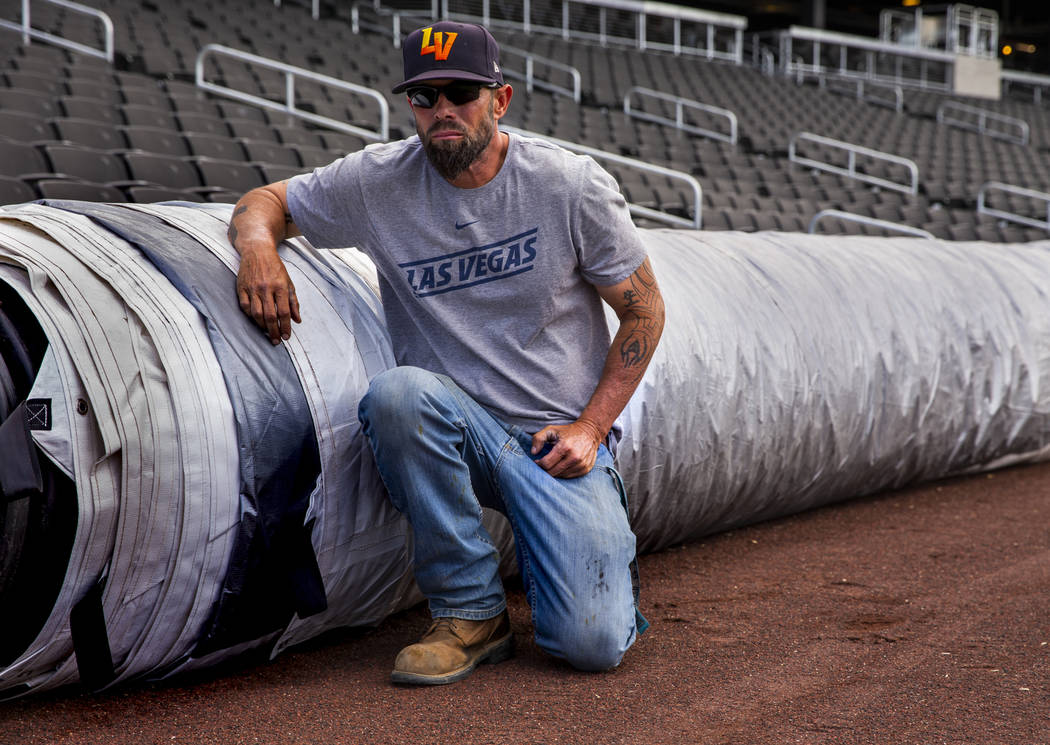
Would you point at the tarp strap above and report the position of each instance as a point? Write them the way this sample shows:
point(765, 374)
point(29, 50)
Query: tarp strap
point(87, 625)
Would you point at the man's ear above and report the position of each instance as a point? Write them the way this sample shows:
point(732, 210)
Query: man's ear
point(501, 100)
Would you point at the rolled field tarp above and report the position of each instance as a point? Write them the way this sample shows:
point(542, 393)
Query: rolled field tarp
point(206, 493)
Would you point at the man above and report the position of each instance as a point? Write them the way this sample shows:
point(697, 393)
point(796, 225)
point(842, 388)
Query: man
point(494, 253)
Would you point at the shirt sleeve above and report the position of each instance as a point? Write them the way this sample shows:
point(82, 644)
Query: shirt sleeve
point(607, 241)
point(327, 204)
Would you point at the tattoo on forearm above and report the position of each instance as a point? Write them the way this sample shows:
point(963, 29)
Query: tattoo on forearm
point(645, 306)
point(231, 233)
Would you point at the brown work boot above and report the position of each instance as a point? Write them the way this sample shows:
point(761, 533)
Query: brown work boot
point(452, 648)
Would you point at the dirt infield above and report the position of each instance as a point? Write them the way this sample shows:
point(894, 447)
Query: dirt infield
point(915, 617)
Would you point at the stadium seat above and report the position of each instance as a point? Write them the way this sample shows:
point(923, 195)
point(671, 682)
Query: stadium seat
point(153, 140)
point(86, 164)
point(149, 116)
point(220, 147)
point(21, 159)
point(24, 127)
point(229, 175)
point(163, 170)
point(92, 89)
point(202, 123)
point(299, 137)
point(315, 156)
point(272, 173)
point(344, 142)
point(193, 103)
point(15, 191)
point(88, 133)
point(149, 97)
point(81, 190)
point(151, 194)
point(28, 101)
point(251, 129)
point(270, 152)
point(94, 109)
point(226, 197)
point(33, 81)
point(234, 110)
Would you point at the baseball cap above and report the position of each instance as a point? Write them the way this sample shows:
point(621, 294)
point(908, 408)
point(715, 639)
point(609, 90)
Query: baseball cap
point(447, 49)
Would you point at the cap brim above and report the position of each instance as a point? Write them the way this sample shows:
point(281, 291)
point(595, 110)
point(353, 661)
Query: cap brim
point(423, 77)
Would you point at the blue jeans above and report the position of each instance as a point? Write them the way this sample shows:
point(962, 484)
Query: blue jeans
point(442, 457)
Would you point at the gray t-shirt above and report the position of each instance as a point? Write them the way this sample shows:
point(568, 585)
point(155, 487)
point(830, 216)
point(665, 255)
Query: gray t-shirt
point(492, 286)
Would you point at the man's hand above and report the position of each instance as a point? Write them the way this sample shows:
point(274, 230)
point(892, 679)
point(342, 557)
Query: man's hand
point(264, 290)
point(574, 448)
point(266, 294)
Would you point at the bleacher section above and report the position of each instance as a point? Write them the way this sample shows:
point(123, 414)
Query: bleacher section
point(72, 126)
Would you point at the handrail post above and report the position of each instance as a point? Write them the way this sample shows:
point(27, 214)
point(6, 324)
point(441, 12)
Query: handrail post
point(289, 90)
point(26, 23)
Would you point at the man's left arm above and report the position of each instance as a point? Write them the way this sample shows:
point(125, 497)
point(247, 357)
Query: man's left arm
point(640, 308)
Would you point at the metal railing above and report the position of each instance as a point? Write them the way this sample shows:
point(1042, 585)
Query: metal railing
point(358, 21)
point(980, 121)
point(529, 76)
point(865, 91)
point(1039, 196)
point(291, 73)
point(850, 56)
point(636, 209)
point(850, 169)
point(680, 105)
point(653, 25)
point(1038, 83)
point(865, 220)
point(29, 33)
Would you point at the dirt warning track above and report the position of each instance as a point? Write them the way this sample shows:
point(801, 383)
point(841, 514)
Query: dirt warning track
point(920, 616)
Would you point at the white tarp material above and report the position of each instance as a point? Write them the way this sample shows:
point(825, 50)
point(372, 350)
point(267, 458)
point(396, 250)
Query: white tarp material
point(795, 370)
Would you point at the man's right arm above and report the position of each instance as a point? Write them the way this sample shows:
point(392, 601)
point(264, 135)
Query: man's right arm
point(265, 291)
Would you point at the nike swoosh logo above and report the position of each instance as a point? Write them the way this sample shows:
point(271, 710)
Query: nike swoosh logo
point(460, 226)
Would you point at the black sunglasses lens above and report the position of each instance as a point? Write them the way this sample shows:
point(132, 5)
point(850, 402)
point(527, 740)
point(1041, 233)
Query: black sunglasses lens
point(457, 94)
point(423, 97)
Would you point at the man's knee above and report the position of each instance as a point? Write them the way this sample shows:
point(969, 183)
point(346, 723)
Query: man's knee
point(396, 395)
point(589, 644)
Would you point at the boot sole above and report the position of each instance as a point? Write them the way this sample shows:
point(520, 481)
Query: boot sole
point(497, 651)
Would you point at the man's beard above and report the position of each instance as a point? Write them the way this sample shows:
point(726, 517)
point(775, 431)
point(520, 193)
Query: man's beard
point(452, 157)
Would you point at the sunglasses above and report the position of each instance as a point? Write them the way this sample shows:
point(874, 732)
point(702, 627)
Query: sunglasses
point(457, 94)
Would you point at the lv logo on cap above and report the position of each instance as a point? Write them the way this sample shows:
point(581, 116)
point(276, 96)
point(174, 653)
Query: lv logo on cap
point(441, 46)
